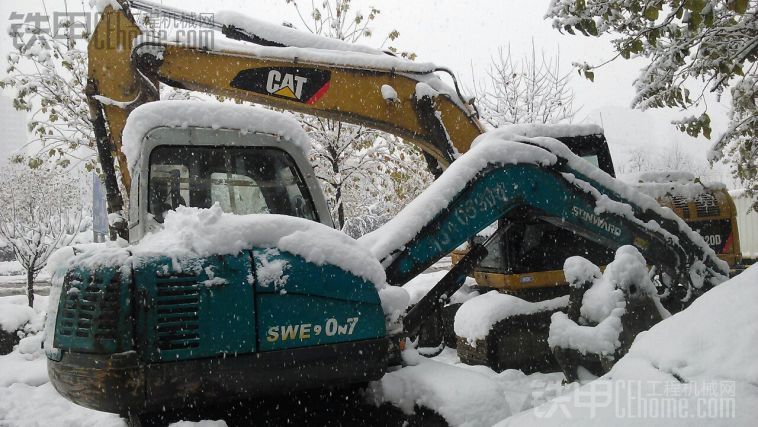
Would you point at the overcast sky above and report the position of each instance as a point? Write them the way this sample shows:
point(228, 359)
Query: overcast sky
point(463, 36)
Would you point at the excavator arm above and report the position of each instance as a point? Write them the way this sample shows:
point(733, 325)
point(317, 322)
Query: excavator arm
point(569, 194)
point(375, 90)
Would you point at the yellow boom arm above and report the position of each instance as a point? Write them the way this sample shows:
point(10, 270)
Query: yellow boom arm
point(125, 68)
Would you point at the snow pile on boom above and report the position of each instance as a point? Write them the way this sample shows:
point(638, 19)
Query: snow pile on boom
point(489, 149)
point(503, 147)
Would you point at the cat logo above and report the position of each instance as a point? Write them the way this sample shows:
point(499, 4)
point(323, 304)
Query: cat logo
point(306, 85)
point(289, 85)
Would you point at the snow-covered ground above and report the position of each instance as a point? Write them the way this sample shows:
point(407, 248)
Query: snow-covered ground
point(700, 360)
point(13, 280)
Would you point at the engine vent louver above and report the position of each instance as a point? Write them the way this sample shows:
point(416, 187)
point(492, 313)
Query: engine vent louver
point(177, 307)
point(681, 203)
point(707, 205)
point(91, 308)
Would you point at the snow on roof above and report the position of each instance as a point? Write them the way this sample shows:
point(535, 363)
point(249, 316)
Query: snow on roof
point(420, 285)
point(671, 183)
point(309, 49)
point(491, 148)
point(552, 130)
point(665, 176)
point(207, 114)
point(478, 315)
point(190, 233)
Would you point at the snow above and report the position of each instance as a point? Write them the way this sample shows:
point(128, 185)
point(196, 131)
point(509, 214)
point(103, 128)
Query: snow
point(674, 183)
point(604, 204)
point(531, 130)
point(579, 270)
point(190, 233)
point(462, 397)
point(389, 93)
point(311, 55)
point(420, 285)
point(11, 268)
point(100, 5)
point(600, 339)
point(701, 357)
point(491, 148)
point(13, 316)
point(424, 90)
point(627, 269)
point(23, 405)
point(289, 36)
point(207, 114)
point(15, 313)
point(716, 337)
point(666, 176)
point(603, 304)
point(476, 317)
point(271, 272)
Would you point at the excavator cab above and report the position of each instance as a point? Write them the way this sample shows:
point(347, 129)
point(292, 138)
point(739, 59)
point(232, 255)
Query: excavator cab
point(252, 173)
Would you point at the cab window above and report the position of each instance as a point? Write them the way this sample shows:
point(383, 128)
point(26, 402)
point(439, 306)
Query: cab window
point(242, 180)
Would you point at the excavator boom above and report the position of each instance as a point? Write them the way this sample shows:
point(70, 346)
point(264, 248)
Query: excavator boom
point(373, 89)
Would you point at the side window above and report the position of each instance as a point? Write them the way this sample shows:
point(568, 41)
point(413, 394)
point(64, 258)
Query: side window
point(592, 158)
point(237, 193)
point(292, 184)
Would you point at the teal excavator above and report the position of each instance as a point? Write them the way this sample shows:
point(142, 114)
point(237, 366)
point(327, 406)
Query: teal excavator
point(149, 324)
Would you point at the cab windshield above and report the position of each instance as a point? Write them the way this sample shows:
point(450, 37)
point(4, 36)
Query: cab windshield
point(242, 180)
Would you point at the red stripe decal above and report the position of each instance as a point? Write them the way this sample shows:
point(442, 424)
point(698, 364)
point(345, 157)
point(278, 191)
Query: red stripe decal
point(728, 244)
point(319, 94)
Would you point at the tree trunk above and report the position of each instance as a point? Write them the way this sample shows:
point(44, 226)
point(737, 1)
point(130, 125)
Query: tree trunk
point(340, 208)
point(30, 287)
